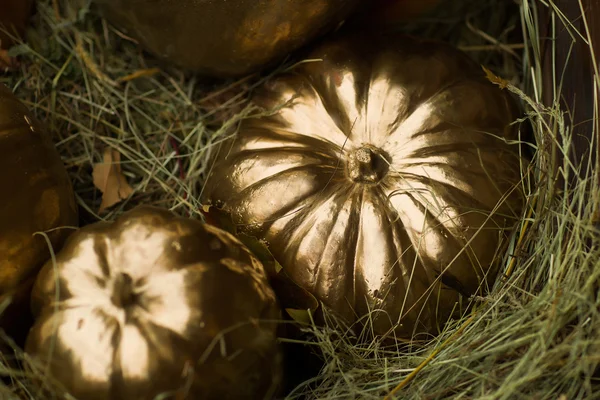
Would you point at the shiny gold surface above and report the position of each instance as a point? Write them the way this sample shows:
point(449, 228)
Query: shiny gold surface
point(225, 37)
point(13, 18)
point(152, 303)
point(384, 184)
point(36, 196)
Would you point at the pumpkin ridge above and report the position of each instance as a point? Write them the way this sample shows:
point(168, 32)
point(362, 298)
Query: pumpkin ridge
point(100, 248)
point(430, 221)
point(365, 106)
point(116, 381)
point(359, 195)
point(453, 148)
point(307, 109)
point(316, 272)
point(428, 101)
point(479, 132)
point(408, 256)
point(440, 128)
point(427, 181)
point(342, 122)
point(300, 208)
point(304, 229)
point(269, 164)
point(284, 136)
point(462, 247)
point(290, 149)
point(277, 175)
point(376, 198)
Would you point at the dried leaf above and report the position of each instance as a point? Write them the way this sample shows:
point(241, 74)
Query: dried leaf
point(6, 61)
point(495, 79)
point(109, 178)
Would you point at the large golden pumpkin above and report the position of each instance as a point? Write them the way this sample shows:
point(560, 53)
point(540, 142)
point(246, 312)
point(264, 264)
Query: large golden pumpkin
point(385, 183)
point(225, 37)
point(36, 199)
point(153, 303)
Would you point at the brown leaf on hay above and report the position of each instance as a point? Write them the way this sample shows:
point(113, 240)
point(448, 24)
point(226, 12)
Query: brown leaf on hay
point(109, 178)
point(495, 79)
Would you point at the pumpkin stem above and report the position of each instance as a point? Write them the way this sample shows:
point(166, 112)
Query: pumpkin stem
point(367, 165)
point(123, 295)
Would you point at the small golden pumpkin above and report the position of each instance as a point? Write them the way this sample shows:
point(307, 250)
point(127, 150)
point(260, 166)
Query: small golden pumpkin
point(225, 37)
point(37, 197)
point(154, 303)
point(13, 20)
point(384, 183)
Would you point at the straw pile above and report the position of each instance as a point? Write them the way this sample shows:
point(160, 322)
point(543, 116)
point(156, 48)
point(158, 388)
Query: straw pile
point(536, 336)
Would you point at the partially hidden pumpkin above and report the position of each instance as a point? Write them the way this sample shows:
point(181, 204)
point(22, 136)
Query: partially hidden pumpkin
point(37, 205)
point(154, 304)
point(225, 38)
point(395, 11)
point(14, 15)
point(384, 180)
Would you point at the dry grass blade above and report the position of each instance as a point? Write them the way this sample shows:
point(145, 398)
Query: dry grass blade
point(431, 356)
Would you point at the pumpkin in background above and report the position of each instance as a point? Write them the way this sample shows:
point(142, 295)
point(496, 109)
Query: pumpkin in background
point(378, 12)
point(37, 197)
point(225, 37)
point(13, 18)
point(386, 182)
point(152, 303)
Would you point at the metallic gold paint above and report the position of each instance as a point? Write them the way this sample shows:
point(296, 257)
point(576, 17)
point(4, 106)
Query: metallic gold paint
point(36, 196)
point(385, 183)
point(225, 37)
point(153, 303)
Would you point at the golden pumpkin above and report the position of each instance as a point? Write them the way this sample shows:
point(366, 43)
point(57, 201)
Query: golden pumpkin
point(224, 37)
point(386, 183)
point(37, 197)
point(154, 303)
